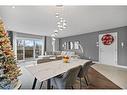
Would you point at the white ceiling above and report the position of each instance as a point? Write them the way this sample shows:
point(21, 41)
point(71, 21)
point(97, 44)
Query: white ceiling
point(40, 20)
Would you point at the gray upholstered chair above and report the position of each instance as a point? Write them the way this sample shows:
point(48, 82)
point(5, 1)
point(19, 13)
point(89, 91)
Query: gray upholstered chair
point(39, 61)
point(84, 71)
point(67, 80)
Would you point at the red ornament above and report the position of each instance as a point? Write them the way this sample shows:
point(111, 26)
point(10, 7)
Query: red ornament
point(107, 39)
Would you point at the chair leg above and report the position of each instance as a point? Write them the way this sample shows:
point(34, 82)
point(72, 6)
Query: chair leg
point(72, 87)
point(86, 80)
point(80, 83)
point(41, 85)
point(52, 87)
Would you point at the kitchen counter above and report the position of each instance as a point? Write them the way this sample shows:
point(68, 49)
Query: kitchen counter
point(117, 75)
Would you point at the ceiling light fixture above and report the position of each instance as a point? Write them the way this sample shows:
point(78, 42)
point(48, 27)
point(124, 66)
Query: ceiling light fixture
point(61, 24)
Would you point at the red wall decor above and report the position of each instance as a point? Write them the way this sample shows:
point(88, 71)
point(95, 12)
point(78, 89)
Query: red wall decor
point(107, 39)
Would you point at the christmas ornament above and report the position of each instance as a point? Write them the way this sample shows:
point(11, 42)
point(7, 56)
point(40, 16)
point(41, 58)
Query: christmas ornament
point(107, 39)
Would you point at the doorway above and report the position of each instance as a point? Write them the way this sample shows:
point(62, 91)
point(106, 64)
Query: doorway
point(108, 53)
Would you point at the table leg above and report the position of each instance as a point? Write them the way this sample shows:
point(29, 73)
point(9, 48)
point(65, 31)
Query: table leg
point(34, 83)
point(48, 84)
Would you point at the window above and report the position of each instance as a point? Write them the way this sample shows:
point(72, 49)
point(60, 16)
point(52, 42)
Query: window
point(20, 46)
point(71, 45)
point(65, 45)
point(29, 48)
point(38, 48)
point(76, 44)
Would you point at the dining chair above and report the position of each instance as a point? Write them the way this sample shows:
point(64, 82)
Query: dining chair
point(39, 61)
point(83, 73)
point(59, 57)
point(67, 80)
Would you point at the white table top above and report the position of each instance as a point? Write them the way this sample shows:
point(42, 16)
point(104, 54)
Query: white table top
point(48, 70)
point(117, 75)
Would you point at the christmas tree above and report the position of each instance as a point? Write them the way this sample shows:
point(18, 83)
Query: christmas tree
point(9, 71)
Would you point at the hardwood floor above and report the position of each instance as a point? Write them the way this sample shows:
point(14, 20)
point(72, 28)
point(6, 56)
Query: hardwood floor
point(97, 81)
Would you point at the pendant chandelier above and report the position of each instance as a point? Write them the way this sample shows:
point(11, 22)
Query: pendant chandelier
point(61, 23)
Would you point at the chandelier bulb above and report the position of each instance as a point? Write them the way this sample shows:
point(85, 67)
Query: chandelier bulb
point(53, 39)
point(61, 18)
point(64, 24)
point(61, 29)
point(64, 21)
point(59, 26)
point(64, 27)
point(57, 15)
point(58, 22)
point(56, 31)
point(53, 35)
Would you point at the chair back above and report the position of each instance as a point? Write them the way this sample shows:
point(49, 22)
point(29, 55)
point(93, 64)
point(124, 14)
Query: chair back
point(39, 61)
point(70, 76)
point(84, 70)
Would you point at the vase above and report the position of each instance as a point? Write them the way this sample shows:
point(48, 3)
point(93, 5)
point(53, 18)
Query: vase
point(65, 60)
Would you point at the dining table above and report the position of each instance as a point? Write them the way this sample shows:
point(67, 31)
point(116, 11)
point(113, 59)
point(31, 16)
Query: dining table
point(48, 70)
